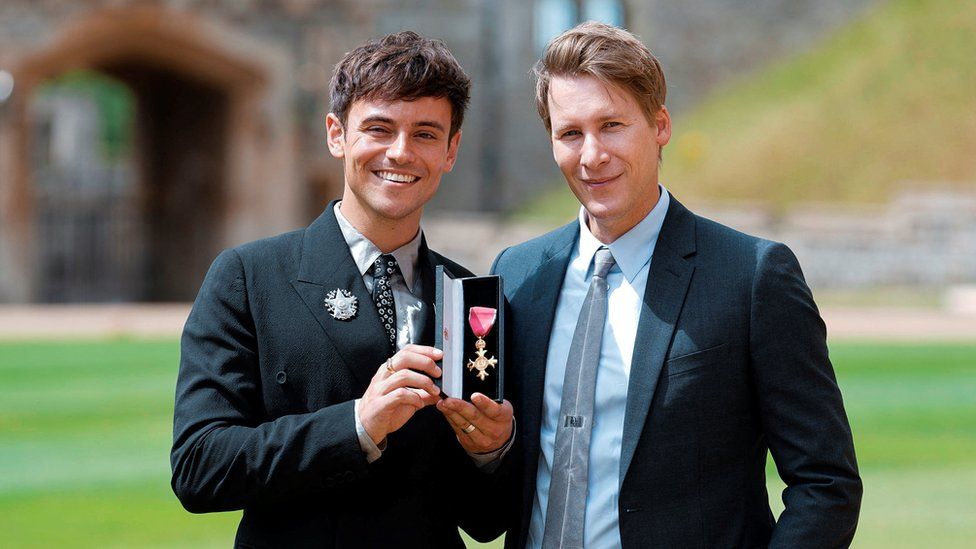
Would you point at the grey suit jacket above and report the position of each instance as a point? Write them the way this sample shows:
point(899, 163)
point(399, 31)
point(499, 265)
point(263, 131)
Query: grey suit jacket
point(264, 408)
point(730, 360)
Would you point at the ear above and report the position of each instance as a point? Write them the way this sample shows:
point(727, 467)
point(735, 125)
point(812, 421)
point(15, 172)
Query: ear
point(452, 151)
point(335, 135)
point(662, 123)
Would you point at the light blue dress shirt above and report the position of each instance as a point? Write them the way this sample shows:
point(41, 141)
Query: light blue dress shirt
point(626, 282)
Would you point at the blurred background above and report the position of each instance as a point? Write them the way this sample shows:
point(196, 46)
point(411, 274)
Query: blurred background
point(140, 137)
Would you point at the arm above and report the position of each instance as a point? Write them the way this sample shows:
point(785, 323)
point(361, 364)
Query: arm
point(801, 408)
point(225, 455)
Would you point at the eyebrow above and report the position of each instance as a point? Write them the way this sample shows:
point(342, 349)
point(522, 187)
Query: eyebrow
point(573, 123)
point(421, 124)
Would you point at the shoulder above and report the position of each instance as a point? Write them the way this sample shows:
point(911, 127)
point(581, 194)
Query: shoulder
point(716, 242)
point(529, 254)
point(280, 252)
point(233, 266)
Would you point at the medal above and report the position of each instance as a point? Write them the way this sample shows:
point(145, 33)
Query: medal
point(481, 320)
point(341, 304)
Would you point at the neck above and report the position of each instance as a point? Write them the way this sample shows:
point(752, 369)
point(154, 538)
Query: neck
point(387, 234)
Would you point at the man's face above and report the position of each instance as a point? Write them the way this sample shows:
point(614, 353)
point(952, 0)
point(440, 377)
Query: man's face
point(607, 151)
point(393, 155)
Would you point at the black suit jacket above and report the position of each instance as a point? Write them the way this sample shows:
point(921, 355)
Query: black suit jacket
point(264, 415)
point(730, 359)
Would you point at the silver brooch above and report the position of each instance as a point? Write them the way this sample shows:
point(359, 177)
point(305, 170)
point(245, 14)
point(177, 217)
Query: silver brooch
point(341, 303)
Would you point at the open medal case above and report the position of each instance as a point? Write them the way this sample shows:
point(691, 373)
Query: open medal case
point(467, 308)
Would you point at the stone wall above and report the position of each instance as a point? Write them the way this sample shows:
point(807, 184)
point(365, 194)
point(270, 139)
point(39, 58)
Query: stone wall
point(921, 239)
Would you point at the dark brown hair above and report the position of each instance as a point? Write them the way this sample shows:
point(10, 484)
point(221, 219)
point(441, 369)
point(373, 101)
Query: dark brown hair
point(401, 66)
point(610, 54)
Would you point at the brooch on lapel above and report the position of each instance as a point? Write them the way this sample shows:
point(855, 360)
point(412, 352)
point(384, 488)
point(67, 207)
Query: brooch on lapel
point(341, 304)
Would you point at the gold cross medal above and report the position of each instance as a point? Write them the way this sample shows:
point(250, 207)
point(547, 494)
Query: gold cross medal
point(481, 320)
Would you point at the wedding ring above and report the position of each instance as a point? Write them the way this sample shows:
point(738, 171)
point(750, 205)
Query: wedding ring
point(467, 430)
point(389, 365)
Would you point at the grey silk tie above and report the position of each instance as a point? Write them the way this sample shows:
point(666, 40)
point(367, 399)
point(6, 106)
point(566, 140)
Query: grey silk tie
point(567, 487)
point(384, 268)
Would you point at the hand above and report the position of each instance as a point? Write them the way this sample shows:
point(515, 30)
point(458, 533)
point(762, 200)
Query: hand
point(492, 422)
point(392, 398)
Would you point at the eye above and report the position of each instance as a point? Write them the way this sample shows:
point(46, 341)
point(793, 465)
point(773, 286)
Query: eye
point(569, 134)
point(612, 124)
point(427, 135)
point(376, 130)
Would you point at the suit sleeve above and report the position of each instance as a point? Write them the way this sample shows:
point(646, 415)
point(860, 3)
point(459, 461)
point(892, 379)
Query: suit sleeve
point(801, 408)
point(226, 455)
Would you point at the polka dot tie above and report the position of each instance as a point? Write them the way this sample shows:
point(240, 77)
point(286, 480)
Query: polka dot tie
point(384, 268)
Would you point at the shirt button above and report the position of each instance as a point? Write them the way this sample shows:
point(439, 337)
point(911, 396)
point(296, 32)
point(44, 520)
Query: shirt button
point(281, 378)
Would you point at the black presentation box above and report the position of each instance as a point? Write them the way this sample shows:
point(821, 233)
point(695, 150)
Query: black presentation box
point(454, 335)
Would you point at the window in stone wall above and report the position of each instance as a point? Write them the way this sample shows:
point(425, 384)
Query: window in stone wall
point(552, 17)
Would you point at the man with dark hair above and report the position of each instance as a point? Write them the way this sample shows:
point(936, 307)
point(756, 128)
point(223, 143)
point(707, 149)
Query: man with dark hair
point(306, 373)
point(661, 354)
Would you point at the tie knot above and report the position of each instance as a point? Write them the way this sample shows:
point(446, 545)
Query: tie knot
point(384, 266)
point(603, 261)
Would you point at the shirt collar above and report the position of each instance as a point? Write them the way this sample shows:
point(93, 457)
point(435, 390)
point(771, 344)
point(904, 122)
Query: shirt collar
point(364, 252)
point(634, 248)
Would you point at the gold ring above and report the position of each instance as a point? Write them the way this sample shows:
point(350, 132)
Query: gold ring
point(389, 365)
point(468, 430)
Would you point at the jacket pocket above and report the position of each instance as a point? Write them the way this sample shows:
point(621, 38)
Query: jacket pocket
point(696, 359)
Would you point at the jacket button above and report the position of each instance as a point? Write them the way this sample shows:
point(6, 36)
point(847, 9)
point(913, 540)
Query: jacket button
point(281, 378)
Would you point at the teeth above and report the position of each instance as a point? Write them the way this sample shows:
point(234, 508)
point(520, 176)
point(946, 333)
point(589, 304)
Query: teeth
point(398, 177)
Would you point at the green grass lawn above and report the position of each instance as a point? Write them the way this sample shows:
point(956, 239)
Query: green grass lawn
point(85, 433)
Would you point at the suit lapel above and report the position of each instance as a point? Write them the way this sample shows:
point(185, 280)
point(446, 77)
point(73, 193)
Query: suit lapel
point(540, 310)
point(667, 285)
point(327, 265)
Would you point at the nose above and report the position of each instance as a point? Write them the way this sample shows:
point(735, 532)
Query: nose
point(593, 153)
point(399, 150)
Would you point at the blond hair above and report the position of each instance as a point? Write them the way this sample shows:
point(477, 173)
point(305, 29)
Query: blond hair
point(610, 54)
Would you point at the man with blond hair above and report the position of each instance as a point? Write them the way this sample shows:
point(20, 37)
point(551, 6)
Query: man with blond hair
point(661, 354)
point(306, 386)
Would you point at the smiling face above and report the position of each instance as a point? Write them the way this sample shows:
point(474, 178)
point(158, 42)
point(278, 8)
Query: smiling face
point(393, 154)
point(607, 150)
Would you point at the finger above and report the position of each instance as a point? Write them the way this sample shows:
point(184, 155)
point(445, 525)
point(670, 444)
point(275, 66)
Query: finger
point(494, 411)
point(432, 353)
point(463, 408)
point(470, 438)
point(411, 380)
point(457, 422)
point(405, 396)
point(479, 439)
point(408, 360)
point(428, 399)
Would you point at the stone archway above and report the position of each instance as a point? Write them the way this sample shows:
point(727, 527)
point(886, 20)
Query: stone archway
point(202, 135)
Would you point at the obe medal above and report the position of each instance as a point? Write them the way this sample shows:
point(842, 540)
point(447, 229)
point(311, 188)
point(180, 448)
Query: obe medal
point(481, 320)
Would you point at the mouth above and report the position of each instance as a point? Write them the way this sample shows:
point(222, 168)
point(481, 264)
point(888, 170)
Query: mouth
point(599, 181)
point(395, 177)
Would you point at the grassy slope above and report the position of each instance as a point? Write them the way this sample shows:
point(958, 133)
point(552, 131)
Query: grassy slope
point(85, 432)
point(887, 100)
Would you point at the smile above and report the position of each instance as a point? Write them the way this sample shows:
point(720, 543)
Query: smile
point(396, 177)
point(596, 182)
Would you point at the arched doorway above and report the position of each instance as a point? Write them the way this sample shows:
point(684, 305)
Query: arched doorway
point(194, 119)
